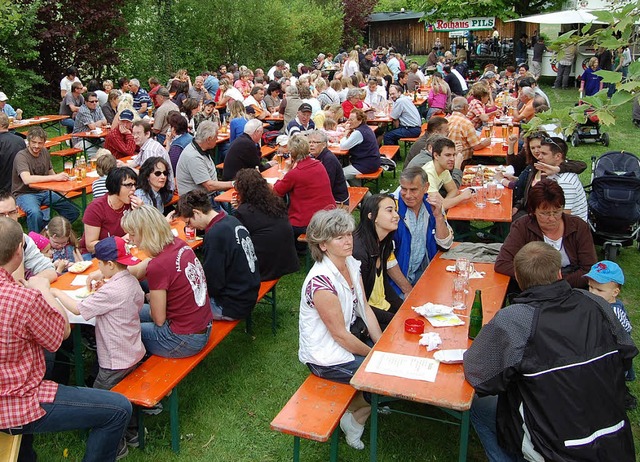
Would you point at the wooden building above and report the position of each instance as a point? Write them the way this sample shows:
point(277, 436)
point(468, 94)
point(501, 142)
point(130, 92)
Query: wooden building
point(411, 36)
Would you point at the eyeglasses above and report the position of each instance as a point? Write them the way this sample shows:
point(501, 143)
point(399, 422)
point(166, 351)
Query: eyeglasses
point(549, 213)
point(129, 185)
point(161, 172)
point(315, 142)
point(93, 101)
point(10, 213)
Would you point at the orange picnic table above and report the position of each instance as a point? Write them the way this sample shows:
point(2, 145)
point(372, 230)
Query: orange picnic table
point(498, 142)
point(226, 196)
point(46, 121)
point(67, 188)
point(450, 391)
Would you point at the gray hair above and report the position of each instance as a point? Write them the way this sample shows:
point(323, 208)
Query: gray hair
point(298, 147)
point(206, 130)
point(458, 103)
point(353, 92)
point(319, 135)
point(326, 225)
point(410, 173)
point(292, 90)
point(134, 82)
point(252, 126)
point(528, 92)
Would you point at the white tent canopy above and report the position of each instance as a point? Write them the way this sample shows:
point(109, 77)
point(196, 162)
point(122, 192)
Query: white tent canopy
point(561, 17)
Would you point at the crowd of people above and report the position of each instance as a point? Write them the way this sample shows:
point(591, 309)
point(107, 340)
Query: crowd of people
point(164, 141)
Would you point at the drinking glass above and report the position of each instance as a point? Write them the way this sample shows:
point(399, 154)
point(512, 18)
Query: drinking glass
point(493, 193)
point(480, 197)
point(459, 293)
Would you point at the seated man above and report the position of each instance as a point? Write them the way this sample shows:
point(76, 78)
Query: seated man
point(33, 321)
point(421, 230)
point(7, 109)
point(318, 149)
point(141, 99)
point(70, 105)
point(33, 165)
point(195, 168)
point(244, 152)
point(302, 122)
point(198, 91)
point(548, 371)
point(34, 262)
point(406, 118)
point(439, 172)
point(89, 117)
point(526, 112)
point(256, 101)
point(149, 147)
point(462, 131)
point(10, 144)
point(164, 106)
point(120, 140)
point(229, 262)
point(435, 125)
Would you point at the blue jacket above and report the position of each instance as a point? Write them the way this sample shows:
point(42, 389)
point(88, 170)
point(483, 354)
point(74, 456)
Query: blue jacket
point(402, 238)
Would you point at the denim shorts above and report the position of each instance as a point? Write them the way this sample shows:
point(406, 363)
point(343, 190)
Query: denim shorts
point(342, 373)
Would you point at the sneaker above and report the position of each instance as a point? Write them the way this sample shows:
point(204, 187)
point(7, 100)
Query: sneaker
point(352, 430)
point(131, 437)
point(155, 410)
point(123, 450)
point(384, 410)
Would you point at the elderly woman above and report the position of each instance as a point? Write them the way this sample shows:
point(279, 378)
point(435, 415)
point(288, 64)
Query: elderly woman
point(290, 104)
point(547, 222)
point(373, 247)
point(102, 216)
point(336, 322)
point(177, 321)
point(591, 83)
point(361, 142)
point(265, 216)
point(352, 102)
point(153, 187)
point(307, 185)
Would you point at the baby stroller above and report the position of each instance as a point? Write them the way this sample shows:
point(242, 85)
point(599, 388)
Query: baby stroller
point(589, 130)
point(614, 201)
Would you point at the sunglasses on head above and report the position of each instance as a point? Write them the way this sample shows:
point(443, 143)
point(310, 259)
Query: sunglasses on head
point(161, 172)
point(547, 140)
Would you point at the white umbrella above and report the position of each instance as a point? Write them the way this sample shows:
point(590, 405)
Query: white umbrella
point(562, 17)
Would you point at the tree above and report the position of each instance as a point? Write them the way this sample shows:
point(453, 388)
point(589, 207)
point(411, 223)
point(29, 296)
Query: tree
point(356, 13)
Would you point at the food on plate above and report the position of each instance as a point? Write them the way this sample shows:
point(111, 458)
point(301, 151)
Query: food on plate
point(79, 266)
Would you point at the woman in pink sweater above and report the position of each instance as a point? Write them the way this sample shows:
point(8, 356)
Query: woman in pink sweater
point(438, 96)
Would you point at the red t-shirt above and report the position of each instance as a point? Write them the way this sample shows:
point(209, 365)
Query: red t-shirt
point(101, 215)
point(177, 270)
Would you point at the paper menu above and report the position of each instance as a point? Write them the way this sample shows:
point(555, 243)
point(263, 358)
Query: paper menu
point(445, 320)
point(408, 367)
point(79, 281)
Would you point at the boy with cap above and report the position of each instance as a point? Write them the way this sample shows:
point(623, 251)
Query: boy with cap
point(605, 279)
point(208, 112)
point(120, 140)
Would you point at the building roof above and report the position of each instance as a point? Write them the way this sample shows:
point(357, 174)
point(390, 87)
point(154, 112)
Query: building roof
point(395, 16)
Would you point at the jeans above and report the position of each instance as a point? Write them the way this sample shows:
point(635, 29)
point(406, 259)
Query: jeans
point(216, 310)
point(31, 203)
point(103, 412)
point(562, 79)
point(392, 137)
point(483, 419)
point(69, 123)
point(161, 341)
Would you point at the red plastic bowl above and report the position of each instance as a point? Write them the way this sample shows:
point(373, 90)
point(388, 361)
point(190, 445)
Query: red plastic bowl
point(414, 326)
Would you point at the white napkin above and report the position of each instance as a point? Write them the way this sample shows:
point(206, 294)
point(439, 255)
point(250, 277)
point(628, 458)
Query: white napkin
point(431, 340)
point(432, 309)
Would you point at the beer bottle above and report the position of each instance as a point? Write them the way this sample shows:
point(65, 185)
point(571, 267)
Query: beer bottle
point(475, 318)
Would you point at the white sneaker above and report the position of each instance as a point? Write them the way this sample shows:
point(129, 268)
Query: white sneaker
point(352, 430)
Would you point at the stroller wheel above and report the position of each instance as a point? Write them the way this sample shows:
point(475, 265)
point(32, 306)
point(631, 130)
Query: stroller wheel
point(575, 140)
point(610, 252)
point(604, 139)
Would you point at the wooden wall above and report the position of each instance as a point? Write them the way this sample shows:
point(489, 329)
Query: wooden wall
point(411, 37)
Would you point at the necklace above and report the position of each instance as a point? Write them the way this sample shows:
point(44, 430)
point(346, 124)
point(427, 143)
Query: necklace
point(113, 208)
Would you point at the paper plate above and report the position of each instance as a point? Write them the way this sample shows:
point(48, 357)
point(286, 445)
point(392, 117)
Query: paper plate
point(449, 356)
point(79, 267)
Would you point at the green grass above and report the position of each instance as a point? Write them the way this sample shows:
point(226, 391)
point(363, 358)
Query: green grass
point(227, 402)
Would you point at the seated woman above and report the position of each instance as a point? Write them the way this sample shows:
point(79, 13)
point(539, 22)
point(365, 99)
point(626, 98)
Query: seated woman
point(546, 222)
point(153, 183)
point(477, 112)
point(265, 216)
point(439, 96)
point(177, 321)
point(238, 118)
point(179, 138)
point(335, 318)
point(308, 186)
point(102, 216)
point(361, 142)
point(373, 247)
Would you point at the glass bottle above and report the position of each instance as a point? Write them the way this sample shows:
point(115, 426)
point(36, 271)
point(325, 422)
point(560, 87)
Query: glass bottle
point(475, 318)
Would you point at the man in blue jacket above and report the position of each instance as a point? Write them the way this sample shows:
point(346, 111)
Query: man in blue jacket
point(422, 229)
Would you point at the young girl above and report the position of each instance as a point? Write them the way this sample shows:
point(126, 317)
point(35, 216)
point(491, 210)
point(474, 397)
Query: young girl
point(63, 245)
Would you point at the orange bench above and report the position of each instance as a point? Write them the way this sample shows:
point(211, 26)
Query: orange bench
point(390, 151)
point(314, 412)
point(370, 177)
point(410, 141)
point(158, 377)
point(267, 293)
point(56, 140)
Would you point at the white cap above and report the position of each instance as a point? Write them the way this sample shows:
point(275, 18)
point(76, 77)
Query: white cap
point(282, 140)
point(3, 97)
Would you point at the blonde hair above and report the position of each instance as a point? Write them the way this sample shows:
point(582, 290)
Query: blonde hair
point(329, 123)
point(438, 85)
point(105, 162)
point(151, 227)
point(59, 226)
point(298, 147)
point(384, 70)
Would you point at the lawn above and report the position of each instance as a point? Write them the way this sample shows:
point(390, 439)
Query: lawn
point(229, 400)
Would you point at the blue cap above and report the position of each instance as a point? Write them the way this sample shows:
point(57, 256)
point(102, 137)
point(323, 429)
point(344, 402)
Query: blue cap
point(114, 248)
point(126, 115)
point(606, 271)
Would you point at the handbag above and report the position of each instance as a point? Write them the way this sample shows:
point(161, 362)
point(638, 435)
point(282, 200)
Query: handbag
point(359, 329)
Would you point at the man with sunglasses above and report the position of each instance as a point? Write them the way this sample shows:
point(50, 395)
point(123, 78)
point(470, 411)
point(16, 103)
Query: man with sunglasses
point(148, 148)
point(89, 117)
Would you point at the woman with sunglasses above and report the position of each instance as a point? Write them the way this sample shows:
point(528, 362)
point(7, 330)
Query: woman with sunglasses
point(547, 222)
point(153, 185)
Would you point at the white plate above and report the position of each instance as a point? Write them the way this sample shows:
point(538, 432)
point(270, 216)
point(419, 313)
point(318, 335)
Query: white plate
point(93, 174)
point(79, 267)
point(449, 356)
point(271, 180)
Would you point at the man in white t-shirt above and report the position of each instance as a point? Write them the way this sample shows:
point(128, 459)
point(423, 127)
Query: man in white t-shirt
point(66, 82)
point(439, 172)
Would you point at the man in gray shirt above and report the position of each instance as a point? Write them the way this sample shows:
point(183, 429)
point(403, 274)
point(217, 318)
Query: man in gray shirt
point(89, 117)
point(405, 115)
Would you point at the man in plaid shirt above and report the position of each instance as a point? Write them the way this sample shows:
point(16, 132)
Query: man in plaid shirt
point(462, 131)
point(31, 320)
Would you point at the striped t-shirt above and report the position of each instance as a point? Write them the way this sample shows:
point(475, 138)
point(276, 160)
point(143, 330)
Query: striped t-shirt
point(575, 198)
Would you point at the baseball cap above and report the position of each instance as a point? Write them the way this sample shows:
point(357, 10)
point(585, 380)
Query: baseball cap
point(282, 140)
point(305, 107)
point(606, 271)
point(209, 101)
point(114, 248)
point(3, 97)
point(163, 92)
point(489, 75)
point(249, 110)
point(126, 115)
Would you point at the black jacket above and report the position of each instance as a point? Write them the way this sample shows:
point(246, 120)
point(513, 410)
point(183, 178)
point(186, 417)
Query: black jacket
point(243, 153)
point(556, 360)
